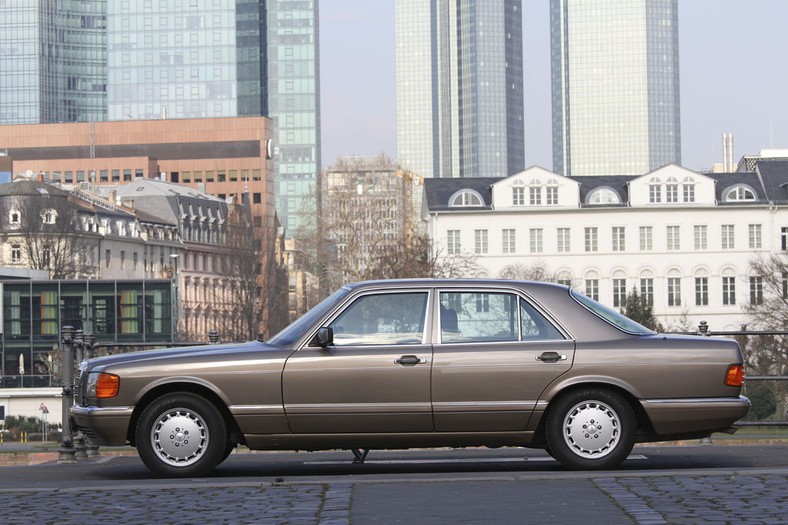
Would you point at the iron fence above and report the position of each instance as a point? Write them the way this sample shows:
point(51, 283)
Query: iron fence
point(780, 399)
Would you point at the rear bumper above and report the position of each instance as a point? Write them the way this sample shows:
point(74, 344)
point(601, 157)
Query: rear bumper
point(674, 417)
point(107, 426)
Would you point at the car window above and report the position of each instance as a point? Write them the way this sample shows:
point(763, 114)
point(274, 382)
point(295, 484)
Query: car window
point(382, 319)
point(478, 316)
point(491, 317)
point(534, 326)
point(617, 319)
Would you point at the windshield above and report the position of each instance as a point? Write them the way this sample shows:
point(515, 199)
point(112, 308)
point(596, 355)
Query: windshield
point(297, 328)
point(611, 316)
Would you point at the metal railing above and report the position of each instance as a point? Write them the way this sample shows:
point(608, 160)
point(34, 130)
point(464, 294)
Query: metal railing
point(703, 329)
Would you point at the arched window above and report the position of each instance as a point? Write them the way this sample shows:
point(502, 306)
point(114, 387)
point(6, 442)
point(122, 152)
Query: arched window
point(655, 190)
point(689, 189)
point(603, 195)
point(739, 193)
point(466, 198)
point(672, 190)
point(14, 217)
point(551, 192)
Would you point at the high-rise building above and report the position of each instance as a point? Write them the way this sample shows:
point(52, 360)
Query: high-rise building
point(459, 87)
point(53, 56)
point(294, 106)
point(186, 59)
point(615, 86)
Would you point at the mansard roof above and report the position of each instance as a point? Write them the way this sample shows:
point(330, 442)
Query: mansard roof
point(439, 191)
point(768, 184)
point(773, 175)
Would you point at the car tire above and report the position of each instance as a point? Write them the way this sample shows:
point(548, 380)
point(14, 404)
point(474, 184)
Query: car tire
point(590, 429)
point(181, 435)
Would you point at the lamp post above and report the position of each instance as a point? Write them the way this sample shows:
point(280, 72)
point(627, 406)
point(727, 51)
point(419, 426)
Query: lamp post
point(174, 311)
point(67, 453)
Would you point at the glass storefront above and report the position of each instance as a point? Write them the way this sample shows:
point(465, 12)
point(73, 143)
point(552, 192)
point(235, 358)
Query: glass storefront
point(33, 312)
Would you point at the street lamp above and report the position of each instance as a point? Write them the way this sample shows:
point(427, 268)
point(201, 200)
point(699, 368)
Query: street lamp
point(174, 309)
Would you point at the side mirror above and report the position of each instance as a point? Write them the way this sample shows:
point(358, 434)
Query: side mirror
point(325, 336)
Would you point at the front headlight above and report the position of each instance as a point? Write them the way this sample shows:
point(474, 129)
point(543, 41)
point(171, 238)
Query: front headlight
point(102, 385)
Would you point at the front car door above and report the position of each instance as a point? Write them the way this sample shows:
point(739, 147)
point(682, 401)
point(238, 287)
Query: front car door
point(496, 353)
point(375, 377)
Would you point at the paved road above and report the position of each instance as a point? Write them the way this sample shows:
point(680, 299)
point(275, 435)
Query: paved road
point(688, 484)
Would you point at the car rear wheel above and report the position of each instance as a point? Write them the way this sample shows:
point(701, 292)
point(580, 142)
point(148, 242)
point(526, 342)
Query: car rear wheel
point(181, 435)
point(591, 429)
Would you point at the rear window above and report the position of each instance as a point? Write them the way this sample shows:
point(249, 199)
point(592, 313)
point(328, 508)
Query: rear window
point(617, 319)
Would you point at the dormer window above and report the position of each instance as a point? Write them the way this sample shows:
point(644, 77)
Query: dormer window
point(672, 190)
point(466, 198)
point(49, 216)
point(518, 194)
point(602, 196)
point(14, 217)
point(689, 189)
point(739, 193)
point(654, 190)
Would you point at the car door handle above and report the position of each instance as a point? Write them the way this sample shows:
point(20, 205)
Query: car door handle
point(551, 357)
point(410, 360)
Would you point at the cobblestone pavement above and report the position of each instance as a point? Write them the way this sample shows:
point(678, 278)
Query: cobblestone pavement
point(676, 500)
point(301, 504)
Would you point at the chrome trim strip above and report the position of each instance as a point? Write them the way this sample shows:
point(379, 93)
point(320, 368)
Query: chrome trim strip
point(357, 408)
point(244, 410)
point(94, 411)
point(696, 401)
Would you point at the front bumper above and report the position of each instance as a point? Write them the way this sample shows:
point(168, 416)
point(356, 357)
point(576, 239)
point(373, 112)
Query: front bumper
point(106, 426)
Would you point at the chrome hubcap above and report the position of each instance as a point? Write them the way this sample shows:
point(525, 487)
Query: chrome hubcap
point(179, 437)
point(592, 429)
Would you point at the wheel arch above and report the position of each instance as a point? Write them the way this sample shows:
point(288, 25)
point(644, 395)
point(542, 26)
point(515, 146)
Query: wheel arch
point(233, 431)
point(644, 426)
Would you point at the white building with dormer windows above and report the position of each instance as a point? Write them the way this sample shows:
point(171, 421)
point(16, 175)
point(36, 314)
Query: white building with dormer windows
point(684, 240)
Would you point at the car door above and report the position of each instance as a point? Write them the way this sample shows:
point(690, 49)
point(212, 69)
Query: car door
point(495, 355)
point(374, 377)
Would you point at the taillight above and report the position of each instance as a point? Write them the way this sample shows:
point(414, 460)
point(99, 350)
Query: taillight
point(107, 385)
point(734, 376)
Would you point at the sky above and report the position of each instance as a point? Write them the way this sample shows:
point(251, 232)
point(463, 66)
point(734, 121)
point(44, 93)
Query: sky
point(732, 59)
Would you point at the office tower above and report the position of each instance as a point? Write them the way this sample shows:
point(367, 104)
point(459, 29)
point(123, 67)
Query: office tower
point(294, 106)
point(186, 59)
point(615, 86)
point(459, 87)
point(52, 61)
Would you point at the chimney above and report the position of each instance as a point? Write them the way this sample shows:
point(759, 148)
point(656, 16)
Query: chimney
point(727, 153)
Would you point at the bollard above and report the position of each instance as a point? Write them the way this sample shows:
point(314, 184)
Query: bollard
point(67, 452)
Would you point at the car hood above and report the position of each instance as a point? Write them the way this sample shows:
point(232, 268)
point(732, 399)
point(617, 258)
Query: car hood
point(192, 352)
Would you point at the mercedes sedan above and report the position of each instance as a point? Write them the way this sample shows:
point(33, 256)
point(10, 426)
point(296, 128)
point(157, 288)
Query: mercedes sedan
point(420, 363)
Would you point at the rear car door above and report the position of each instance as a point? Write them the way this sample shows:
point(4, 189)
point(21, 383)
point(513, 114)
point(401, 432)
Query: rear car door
point(496, 353)
point(375, 377)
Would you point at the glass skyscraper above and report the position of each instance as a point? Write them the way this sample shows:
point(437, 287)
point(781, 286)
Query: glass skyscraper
point(615, 86)
point(186, 58)
point(459, 87)
point(294, 106)
point(53, 56)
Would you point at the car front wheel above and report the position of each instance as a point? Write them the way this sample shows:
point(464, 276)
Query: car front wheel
point(181, 435)
point(591, 429)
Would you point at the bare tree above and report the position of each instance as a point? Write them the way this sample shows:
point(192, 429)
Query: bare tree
point(768, 354)
point(258, 295)
point(534, 272)
point(47, 225)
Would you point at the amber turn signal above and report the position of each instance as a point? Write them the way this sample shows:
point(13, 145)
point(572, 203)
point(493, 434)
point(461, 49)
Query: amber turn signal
point(734, 376)
point(107, 385)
